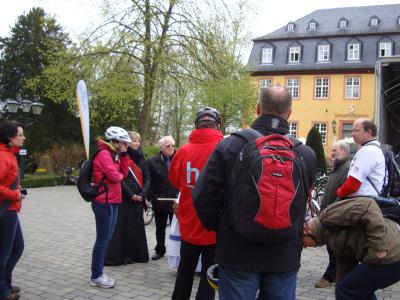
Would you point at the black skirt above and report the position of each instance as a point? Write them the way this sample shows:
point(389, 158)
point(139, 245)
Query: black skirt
point(129, 243)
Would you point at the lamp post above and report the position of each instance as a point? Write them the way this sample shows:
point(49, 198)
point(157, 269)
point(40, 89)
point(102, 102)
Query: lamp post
point(9, 110)
point(334, 130)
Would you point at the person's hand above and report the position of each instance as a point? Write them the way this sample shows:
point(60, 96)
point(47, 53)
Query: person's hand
point(21, 196)
point(175, 207)
point(138, 198)
point(381, 254)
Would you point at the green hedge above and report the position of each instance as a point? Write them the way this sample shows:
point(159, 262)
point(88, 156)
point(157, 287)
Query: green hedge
point(41, 181)
point(150, 151)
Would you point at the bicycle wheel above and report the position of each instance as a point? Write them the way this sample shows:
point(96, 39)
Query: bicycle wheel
point(59, 175)
point(148, 215)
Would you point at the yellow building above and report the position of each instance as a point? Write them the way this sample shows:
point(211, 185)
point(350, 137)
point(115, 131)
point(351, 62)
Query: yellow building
point(327, 61)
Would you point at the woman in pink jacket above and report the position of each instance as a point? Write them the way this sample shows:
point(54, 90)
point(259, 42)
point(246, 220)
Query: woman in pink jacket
point(110, 166)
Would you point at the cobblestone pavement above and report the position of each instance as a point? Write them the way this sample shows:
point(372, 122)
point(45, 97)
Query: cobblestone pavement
point(59, 234)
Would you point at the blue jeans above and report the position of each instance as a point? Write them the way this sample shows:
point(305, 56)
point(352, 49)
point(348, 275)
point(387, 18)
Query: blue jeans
point(106, 217)
point(241, 285)
point(365, 279)
point(11, 248)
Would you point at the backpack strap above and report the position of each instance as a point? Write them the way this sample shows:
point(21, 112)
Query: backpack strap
point(386, 171)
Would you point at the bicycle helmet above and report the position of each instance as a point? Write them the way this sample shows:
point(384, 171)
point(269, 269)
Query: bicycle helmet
point(212, 276)
point(208, 114)
point(117, 133)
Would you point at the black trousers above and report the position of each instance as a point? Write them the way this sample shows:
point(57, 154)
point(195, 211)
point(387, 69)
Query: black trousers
point(188, 262)
point(161, 219)
point(330, 273)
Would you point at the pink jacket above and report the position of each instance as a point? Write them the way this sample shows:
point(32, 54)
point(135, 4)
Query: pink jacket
point(114, 170)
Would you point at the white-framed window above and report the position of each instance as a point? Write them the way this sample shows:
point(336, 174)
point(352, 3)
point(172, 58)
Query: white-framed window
point(290, 27)
point(352, 88)
point(322, 128)
point(374, 22)
point(265, 83)
point(293, 85)
point(398, 21)
point(343, 23)
point(323, 52)
point(294, 54)
point(312, 26)
point(385, 49)
point(353, 51)
point(266, 55)
point(321, 88)
point(293, 129)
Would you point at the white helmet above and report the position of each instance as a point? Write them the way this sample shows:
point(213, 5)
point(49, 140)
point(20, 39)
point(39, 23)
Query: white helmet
point(117, 133)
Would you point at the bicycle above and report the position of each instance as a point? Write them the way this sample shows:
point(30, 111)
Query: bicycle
point(65, 175)
point(148, 213)
point(317, 194)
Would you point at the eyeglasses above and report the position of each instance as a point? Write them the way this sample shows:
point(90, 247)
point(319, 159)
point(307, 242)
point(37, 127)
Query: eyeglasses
point(19, 135)
point(169, 146)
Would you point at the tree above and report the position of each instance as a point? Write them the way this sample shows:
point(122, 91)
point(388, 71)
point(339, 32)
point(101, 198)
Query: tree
point(36, 40)
point(314, 140)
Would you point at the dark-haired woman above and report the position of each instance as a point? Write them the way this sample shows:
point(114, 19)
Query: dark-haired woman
point(11, 239)
point(129, 243)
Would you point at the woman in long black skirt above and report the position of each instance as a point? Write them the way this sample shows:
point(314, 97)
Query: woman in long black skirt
point(129, 243)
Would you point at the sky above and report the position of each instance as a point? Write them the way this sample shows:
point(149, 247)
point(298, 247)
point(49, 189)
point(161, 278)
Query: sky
point(77, 15)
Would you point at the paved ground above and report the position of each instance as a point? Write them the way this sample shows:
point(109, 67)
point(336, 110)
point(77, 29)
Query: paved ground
point(59, 233)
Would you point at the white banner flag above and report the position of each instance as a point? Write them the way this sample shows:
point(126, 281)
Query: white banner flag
point(83, 105)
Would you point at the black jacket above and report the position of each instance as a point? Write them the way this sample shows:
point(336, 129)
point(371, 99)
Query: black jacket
point(160, 186)
point(209, 199)
point(130, 186)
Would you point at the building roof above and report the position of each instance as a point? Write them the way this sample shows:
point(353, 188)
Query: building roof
point(328, 19)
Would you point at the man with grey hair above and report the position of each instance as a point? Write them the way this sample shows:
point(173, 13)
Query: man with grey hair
point(160, 187)
point(340, 153)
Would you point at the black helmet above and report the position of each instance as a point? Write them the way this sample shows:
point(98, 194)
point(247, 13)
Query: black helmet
point(208, 114)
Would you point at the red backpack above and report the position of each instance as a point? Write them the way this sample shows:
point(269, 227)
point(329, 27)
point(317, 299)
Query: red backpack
point(268, 191)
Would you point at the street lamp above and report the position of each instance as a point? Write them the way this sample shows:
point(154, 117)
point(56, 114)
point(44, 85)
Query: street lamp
point(334, 130)
point(9, 109)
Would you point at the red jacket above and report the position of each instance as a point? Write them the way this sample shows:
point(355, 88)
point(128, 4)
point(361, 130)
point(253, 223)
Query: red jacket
point(185, 169)
point(8, 175)
point(115, 171)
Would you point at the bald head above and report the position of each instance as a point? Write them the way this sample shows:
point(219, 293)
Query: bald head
point(364, 130)
point(275, 100)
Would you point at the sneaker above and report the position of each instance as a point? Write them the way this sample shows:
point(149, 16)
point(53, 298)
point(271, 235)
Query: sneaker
point(323, 284)
point(103, 281)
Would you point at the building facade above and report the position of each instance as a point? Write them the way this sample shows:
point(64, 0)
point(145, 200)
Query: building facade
point(327, 60)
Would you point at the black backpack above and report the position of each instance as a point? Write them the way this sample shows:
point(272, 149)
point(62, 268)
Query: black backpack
point(268, 190)
point(391, 188)
point(85, 185)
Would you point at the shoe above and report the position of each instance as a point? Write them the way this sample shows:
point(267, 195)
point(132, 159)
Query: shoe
point(15, 289)
point(11, 296)
point(156, 256)
point(323, 284)
point(103, 281)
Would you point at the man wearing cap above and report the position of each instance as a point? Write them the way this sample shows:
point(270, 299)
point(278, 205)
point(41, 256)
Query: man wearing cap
point(196, 240)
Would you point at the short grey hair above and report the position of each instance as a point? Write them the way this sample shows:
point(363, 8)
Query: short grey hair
point(164, 139)
point(344, 146)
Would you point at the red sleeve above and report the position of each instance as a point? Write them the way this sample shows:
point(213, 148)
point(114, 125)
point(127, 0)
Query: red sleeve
point(108, 167)
point(5, 191)
point(175, 170)
point(350, 186)
point(124, 165)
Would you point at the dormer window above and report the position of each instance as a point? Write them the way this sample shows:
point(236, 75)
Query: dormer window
point(398, 21)
point(266, 57)
point(290, 27)
point(294, 54)
point(312, 25)
point(343, 23)
point(374, 21)
point(323, 53)
point(385, 49)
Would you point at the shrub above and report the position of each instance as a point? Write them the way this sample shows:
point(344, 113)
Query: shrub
point(62, 156)
point(150, 151)
point(314, 140)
